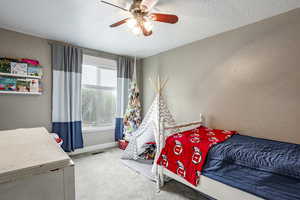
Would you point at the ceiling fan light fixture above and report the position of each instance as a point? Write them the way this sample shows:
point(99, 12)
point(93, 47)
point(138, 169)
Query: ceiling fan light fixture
point(141, 18)
point(148, 25)
point(136, 30)
point(131, 23)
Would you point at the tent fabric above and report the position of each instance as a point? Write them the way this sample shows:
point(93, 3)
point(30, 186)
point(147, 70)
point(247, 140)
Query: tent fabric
point(157, 113)
point(150, 122)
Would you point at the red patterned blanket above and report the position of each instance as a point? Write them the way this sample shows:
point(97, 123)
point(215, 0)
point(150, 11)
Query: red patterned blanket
point(185, 153)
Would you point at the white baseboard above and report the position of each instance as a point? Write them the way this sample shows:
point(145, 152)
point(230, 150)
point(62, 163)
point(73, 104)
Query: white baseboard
point(92, 148)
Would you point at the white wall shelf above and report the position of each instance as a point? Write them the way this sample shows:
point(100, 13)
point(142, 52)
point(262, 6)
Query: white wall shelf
point(22, 93)
point(19, 75)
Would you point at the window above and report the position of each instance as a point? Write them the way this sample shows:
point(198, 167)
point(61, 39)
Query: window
point(99, 82)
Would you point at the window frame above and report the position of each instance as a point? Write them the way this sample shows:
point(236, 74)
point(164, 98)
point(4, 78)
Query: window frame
point(93, 129)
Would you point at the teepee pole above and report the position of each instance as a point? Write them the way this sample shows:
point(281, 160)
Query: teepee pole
point(158, 178)
point(153, 85)
point(158, 86)
point(164, 84)
point(161, 142)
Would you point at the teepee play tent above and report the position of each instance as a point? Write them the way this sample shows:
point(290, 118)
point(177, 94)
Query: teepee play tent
point(150, 129)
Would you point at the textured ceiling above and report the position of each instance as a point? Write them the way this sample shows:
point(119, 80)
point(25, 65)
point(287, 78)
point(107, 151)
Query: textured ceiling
point(85, 22)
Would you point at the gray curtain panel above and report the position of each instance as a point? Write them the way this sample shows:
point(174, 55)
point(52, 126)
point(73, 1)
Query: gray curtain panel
point(66, 95)
point(125, 68)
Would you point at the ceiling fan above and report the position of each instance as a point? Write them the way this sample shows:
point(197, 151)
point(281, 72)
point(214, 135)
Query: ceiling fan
point(141, 19)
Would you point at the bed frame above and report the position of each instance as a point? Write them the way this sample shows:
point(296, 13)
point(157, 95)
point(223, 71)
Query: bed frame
point(213, 189)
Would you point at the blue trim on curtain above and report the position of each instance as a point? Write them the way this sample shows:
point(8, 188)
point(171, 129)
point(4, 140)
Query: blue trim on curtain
point(71, 133)
point(119, 129)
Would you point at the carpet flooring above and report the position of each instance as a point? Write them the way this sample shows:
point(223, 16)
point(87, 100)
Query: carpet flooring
point(103, 176)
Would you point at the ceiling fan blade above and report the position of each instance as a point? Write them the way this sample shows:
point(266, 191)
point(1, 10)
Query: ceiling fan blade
point(166, 18)
point(114, 5)
point(119, 23)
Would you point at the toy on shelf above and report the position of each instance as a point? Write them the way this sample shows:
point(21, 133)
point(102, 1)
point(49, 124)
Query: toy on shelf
point(30, 61)
point(4, 66)
point(34, 85)
point(34, 71)
point(18, 68)
point(23, 85)
point(7, 84)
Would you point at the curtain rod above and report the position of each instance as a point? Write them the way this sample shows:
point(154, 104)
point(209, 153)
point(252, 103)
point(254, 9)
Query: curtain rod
point(50, 42)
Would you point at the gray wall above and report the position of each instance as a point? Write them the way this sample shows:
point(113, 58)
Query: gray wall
point(18, 111)
point(247, 79)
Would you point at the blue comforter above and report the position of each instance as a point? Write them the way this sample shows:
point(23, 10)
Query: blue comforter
point(266, 168)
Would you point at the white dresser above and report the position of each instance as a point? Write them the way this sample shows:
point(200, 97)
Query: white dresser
point(34, 167)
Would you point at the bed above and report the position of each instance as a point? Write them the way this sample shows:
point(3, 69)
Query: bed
point(229, 174)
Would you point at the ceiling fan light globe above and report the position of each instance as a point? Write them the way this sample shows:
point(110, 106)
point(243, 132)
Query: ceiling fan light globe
point(136, 30)
point(148, 25)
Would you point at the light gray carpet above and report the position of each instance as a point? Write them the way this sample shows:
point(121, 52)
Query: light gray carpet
point(103, 176)
point(143, 168)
